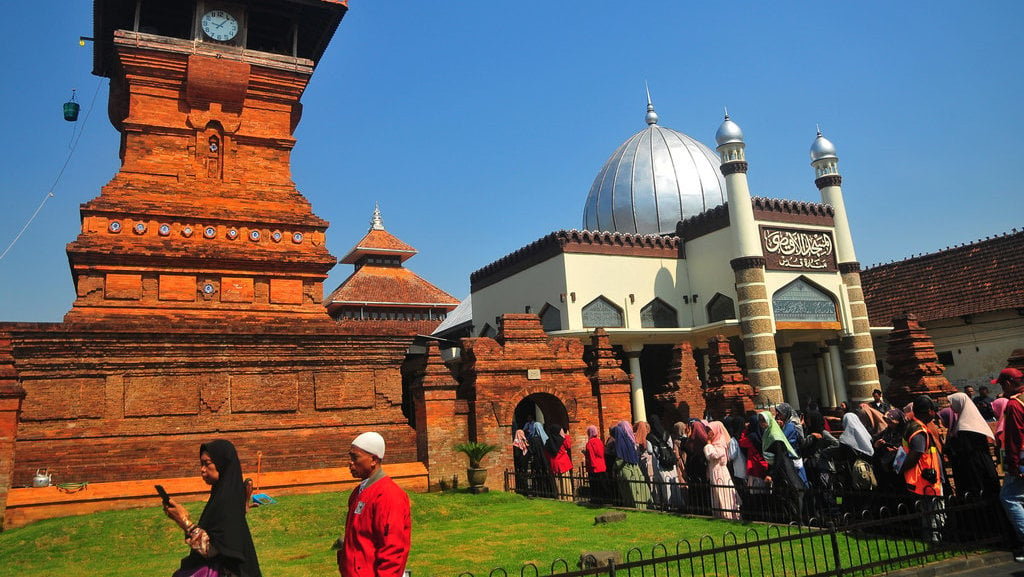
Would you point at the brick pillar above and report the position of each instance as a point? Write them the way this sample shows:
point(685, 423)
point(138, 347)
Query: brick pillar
point(611, 383)
point(11, 396)
point(728, 391)
point(858, 350)
point(915, 366)
point(441, 420)
point(684, 395)
point(756, 329)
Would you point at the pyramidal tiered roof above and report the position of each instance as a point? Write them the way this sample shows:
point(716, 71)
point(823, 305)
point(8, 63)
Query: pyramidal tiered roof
point(381, 290)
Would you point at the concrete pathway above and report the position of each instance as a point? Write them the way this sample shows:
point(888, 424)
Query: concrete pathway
point(993, 564)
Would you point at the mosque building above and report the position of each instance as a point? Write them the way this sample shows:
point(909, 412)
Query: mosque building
point(674, 249)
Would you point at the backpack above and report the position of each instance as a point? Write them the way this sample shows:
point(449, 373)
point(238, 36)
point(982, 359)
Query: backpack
point(666, 456)
point(863, 475)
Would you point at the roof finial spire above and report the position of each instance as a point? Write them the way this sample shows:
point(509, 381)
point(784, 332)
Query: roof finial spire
point(652, 116)
point(818, 127)
point(726, 112)
point(376, 223)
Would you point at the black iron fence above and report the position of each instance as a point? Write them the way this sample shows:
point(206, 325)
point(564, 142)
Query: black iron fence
point(763, 503)
point(830, 532)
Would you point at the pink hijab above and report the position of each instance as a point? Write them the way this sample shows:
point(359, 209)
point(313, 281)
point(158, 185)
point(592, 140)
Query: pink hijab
point(998, 406)
point(969, 418)
point(721, 436)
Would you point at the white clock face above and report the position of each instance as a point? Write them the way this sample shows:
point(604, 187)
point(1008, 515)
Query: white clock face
point(220, 25)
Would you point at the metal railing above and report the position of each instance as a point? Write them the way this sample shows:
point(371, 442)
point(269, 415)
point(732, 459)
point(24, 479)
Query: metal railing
point(862, 533)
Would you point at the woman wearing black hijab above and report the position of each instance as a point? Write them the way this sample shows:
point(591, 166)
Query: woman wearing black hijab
point(221, 539)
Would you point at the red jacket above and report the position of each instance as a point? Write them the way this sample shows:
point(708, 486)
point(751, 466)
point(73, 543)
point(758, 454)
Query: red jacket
point(595, 455)
point(757, 465)
point(561, 463)
point(1013, 436)
point(377, 531)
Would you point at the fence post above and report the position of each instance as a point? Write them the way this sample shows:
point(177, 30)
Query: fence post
point(835, 549)
point(611, 567)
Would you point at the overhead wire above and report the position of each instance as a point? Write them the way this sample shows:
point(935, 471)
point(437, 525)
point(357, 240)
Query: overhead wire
point(60, 174)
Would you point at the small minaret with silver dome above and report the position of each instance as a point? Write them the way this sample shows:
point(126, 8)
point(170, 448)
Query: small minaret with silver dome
point(861, 370)
point(748, 264)
point(729, 139)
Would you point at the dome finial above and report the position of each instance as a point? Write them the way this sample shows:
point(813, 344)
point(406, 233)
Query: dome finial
point(376, 223)
point(822, 148)
point(818, 127)
point(728, 132)
point(652, 116)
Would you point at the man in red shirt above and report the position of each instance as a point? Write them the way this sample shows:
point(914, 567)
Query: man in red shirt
point(378, 525)
point(1012, 493)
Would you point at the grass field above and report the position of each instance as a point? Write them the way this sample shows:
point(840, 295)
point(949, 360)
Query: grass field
point(452, 533)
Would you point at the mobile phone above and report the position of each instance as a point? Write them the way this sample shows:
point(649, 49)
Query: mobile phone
point(163, 494)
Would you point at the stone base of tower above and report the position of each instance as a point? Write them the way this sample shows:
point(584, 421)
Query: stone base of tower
point(110, 405)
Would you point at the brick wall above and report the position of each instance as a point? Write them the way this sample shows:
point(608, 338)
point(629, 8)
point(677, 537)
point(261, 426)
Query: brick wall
point(104, 405)
point(11, 395)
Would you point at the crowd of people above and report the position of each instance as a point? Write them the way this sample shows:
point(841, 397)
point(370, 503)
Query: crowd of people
point(792, 463)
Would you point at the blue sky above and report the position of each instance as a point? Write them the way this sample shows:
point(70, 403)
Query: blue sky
point(479, 126)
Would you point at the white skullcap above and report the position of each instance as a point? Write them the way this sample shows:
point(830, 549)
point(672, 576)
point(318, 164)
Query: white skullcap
point(370, 442)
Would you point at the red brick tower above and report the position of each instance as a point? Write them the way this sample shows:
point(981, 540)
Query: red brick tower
point(203, 220)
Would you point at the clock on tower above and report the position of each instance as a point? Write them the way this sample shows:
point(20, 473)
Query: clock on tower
point(203, 221)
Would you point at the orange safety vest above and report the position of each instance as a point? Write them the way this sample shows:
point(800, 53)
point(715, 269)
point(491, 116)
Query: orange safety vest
point(929, 460)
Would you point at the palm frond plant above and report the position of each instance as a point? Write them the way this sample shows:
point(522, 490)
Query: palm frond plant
point(475, 452)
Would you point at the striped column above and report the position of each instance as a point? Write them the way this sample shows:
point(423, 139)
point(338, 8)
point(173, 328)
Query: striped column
point(858, 350)
point(756, 329)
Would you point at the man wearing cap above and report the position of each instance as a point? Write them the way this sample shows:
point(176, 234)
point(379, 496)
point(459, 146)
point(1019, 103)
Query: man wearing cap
point(1012, 493)
point(378, 525)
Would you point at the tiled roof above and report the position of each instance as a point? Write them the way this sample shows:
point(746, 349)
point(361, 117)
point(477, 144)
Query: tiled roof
point(575, 241)
point(380, 242)
point(985, 276)
point(389, 286)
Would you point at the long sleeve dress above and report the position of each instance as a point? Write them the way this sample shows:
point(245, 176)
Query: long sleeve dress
point(724, 500)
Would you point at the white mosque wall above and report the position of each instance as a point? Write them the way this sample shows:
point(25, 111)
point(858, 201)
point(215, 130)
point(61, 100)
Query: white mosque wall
point(709, 271)
point(542, 283)
point(615, 278)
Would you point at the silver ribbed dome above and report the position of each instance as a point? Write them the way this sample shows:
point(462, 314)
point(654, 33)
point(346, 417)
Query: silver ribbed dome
point(655, 179)
point(822, 148)
point(728, 132)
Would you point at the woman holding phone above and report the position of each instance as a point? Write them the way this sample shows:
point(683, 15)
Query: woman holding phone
point(221, 542)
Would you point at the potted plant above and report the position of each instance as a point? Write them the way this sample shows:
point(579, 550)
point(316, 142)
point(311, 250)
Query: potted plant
point(475, 451)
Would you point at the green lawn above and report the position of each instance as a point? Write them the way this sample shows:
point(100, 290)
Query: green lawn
point(452, 533)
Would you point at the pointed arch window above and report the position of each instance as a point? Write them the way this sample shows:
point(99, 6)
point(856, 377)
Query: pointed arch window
point(801, 301)
point(721, 308)
point(657, 314)
point(550, 318)
point(601, 312)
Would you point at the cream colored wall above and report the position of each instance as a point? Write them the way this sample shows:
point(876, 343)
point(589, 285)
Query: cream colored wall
point(540, 284)
point(709, 270)
point(979, 349)
point(617, 277)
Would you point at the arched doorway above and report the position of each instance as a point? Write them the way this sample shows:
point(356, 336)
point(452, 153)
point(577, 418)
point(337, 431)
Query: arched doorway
point(540, 407)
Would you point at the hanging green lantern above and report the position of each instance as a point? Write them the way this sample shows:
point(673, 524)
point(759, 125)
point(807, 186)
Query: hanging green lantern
point(71, 109)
